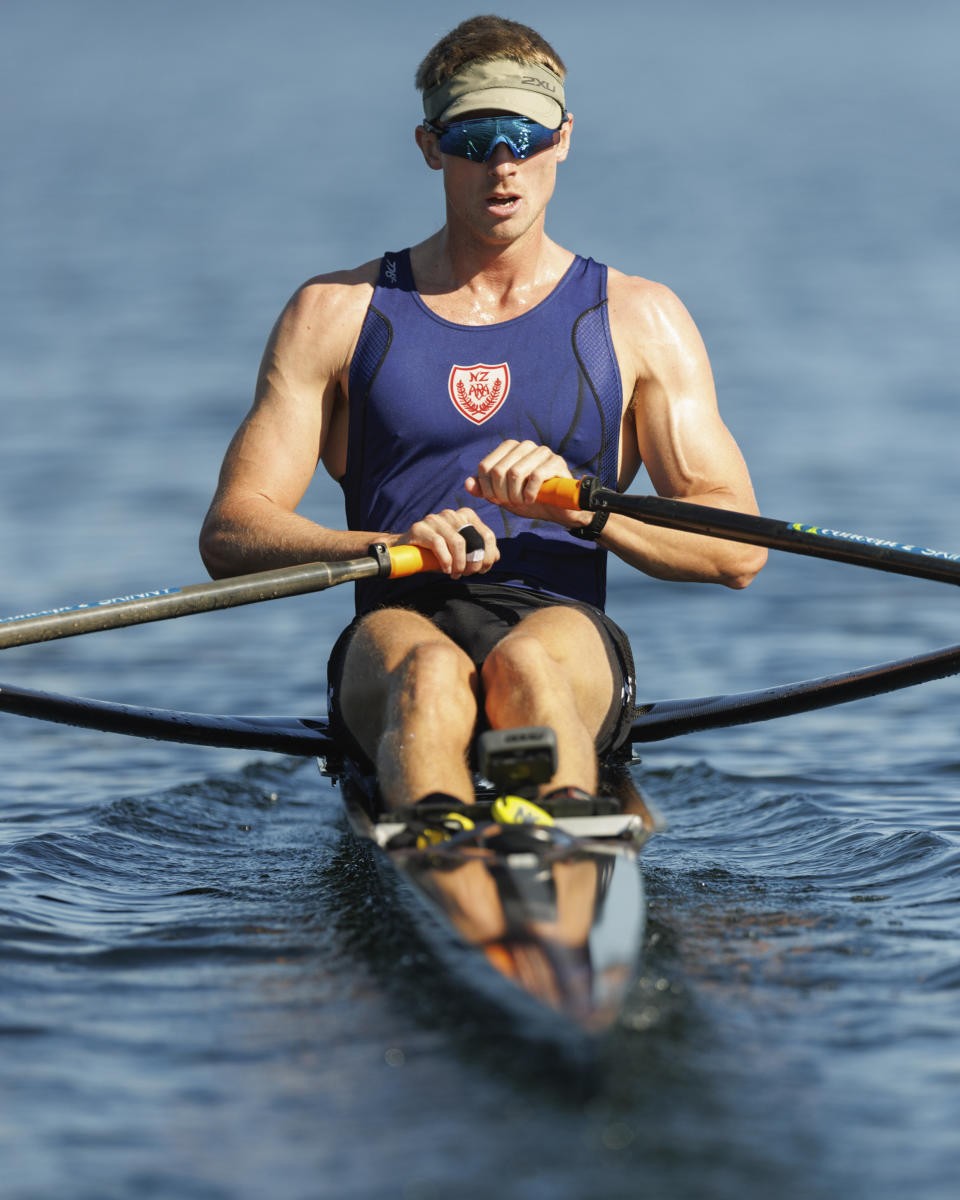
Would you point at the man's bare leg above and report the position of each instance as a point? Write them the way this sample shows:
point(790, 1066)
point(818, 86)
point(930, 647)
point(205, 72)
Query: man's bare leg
point(552, 669)
point(408, 695)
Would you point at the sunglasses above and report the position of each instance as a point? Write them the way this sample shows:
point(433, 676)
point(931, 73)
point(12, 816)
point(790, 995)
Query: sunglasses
point(478, 138)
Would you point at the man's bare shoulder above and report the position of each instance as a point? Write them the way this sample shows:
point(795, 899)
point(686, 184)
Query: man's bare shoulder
point(648, 307)
point(318, 328)
point(338, 293)
point(656, 341)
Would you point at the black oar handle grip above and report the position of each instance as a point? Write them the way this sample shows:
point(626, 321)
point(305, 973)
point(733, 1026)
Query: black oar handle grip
point(474, 542)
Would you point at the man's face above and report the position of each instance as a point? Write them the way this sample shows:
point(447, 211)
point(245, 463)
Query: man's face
point(499, 200)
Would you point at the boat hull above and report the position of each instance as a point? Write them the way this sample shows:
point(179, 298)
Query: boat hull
point(557, 911)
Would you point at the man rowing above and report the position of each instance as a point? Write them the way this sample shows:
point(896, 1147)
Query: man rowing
point(442, 386)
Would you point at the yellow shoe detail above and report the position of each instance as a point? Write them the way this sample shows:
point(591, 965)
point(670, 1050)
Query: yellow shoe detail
point(446, 827)
point(514, 810)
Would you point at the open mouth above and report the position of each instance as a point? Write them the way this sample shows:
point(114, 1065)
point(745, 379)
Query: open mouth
point(501, 201)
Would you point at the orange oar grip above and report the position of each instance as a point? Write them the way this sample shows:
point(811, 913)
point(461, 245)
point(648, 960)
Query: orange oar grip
point(561, 493)
point(409, 560)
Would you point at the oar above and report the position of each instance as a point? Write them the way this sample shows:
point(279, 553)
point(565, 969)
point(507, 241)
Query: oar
point(163, 604)
point(815, 541)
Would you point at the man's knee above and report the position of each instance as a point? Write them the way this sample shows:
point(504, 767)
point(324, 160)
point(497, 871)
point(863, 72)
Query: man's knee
point(517, 659)
point(394, 657)
point(437, 667)
point(529, 670)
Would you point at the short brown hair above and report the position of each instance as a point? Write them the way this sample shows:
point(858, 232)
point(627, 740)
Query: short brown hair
point(482, 39)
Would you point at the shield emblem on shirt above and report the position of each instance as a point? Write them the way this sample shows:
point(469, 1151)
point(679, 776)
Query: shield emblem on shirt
point(478, 391)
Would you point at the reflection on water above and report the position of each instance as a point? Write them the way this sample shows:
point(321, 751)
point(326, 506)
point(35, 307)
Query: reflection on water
point(565, 927)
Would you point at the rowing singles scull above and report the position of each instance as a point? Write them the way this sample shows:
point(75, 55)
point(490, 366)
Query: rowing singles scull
point(557, 906)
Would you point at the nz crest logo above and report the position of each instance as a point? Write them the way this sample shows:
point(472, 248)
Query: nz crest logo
point(478, 391)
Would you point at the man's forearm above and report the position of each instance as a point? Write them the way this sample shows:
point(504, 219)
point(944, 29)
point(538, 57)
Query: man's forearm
point(259, 536)
point(684, 557)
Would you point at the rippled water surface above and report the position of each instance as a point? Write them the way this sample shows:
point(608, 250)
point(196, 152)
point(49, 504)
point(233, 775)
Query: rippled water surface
point(202, 994)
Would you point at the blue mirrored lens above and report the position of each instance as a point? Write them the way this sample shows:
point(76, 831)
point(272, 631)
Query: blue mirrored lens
point(477, 139)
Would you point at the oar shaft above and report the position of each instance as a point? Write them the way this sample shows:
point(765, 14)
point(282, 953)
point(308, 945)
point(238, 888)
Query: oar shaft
point(814, 541)
point(205, 597)
point(201, 597)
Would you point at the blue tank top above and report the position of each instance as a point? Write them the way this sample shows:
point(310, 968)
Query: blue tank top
point(428, 399)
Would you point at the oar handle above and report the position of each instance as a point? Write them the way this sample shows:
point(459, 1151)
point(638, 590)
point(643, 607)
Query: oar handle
point(411, 560)
point(561, 493)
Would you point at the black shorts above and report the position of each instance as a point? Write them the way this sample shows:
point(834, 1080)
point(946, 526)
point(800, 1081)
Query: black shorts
point(476, 616)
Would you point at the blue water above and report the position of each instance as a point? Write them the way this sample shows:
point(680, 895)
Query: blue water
point(198, 997)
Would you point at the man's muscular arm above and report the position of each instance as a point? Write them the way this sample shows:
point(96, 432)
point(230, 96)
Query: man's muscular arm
point(672, 425)
point(252, 523)
point(298, 419)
